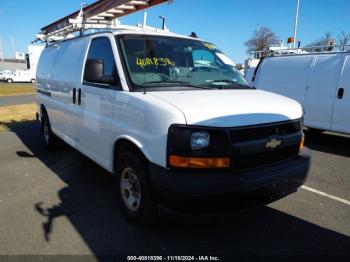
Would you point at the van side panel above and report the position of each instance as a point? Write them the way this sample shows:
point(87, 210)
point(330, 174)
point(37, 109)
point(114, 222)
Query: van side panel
point(319, 99)
point(44, 87)
point(59, 71)
point(287, 76)
point(67, 68)
point(341, 108)
point(45, 66)
point(67, 76)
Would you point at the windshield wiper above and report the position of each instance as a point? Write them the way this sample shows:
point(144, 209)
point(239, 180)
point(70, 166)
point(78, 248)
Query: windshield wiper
point(184, 83)
point(231, 82)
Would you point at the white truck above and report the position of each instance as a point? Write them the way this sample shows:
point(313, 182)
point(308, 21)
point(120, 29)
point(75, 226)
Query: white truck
point(320, 82)
point(172, 129)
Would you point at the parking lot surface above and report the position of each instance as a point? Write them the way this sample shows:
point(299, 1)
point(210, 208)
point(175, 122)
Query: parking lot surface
point(17, 100)
point(63, 203)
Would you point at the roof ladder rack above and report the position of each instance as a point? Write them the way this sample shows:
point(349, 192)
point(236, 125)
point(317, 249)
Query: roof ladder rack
point(318, 49)
point(102, 14)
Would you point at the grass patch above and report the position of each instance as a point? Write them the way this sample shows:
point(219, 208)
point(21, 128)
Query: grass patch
point(7, 89)
point(13, 115)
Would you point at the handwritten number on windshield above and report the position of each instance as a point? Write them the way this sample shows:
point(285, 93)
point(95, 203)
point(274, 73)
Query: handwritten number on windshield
point(161, 61)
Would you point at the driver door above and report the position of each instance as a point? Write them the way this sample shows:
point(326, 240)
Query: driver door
point(97, 102)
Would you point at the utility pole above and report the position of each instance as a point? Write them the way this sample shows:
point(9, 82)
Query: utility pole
point(13, 46)
point(1, 51)
point(296, 24)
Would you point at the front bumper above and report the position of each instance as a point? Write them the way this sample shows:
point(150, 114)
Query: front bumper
point(192, 191)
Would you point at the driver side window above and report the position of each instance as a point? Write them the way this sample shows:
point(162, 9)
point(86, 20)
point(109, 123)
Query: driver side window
point(101, 52)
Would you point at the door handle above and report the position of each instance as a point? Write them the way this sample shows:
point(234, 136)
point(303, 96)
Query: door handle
point(340, 93)
point(79, 96)
point(74, 95)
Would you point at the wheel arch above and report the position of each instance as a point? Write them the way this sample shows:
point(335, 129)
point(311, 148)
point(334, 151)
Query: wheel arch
point(43, 110)
point(124, 142)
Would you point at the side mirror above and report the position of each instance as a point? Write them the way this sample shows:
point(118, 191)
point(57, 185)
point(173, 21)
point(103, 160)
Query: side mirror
point(94, 72)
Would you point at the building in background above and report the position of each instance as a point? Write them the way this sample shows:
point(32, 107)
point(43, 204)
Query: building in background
point(20, 56)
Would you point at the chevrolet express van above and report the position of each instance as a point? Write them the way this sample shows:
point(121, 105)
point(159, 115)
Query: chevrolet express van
point(172, 119)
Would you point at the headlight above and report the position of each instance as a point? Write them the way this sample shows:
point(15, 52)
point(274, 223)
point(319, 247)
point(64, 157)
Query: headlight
point(200, 140)
point(198, 147)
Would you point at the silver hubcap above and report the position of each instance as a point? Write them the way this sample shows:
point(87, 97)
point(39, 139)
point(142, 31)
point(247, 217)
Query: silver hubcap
point(130, 189)
point(46, 132)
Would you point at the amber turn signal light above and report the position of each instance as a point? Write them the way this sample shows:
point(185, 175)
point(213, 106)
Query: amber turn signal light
point(199, 162)
point(301, 147)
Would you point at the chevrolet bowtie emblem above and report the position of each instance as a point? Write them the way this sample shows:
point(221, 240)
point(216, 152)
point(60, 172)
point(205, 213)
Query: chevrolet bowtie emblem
point(273, 143)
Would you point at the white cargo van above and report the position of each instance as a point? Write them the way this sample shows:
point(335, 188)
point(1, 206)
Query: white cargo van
point(320, 82)
point(172, 130)
point(5, 74)
point(20, 76)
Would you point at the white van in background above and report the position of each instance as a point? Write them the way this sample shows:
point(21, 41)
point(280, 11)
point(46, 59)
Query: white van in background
point(5, 74)
point(320, 82)
point(250, 65)
point(20, 76)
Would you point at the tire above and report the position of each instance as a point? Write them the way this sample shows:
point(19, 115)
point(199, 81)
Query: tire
point(32, 81)
point(50, 140)
point(9, 80)
point(134, 189)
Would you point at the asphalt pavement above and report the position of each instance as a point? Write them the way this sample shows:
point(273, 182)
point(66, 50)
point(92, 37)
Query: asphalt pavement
point(63, 203)
point(17, 100)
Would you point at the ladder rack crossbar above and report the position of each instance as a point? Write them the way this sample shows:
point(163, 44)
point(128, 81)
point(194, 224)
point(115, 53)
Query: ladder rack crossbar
point(100, 15)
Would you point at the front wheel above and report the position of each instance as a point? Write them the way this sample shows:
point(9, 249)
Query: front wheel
point(9, 80)
point(134, 189)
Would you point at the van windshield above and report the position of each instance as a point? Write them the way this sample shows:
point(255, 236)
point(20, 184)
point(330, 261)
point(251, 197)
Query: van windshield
point(170, 63)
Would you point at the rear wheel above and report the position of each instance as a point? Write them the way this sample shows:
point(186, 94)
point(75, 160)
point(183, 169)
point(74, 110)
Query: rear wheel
point(50, 140)
point(33, 81)
point(134, 189)
point(9, 80)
